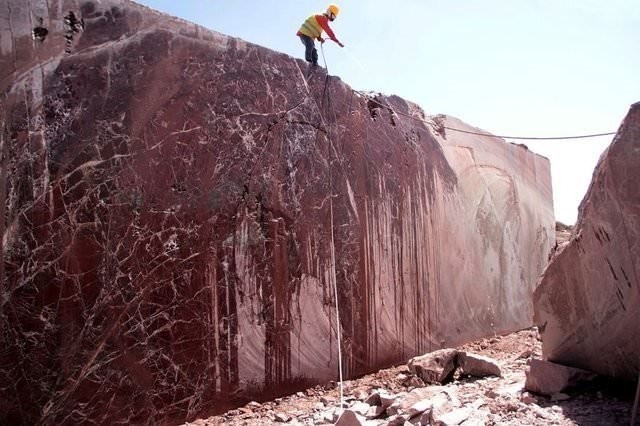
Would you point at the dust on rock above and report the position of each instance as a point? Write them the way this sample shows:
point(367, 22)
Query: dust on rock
point(395, 396)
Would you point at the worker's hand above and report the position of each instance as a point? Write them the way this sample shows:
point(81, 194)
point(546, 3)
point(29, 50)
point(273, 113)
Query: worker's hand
point(320, 39)
point(340, 44)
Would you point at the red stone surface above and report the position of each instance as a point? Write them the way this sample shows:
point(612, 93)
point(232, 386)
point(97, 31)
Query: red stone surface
point(588, 303)
point(548, 378)
point(178, 206)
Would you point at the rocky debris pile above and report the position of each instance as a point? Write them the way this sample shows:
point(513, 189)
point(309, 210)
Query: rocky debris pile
point(439, 367)
point(429, 405)
point(563, 233)
point(397, 396)
point(563, 236)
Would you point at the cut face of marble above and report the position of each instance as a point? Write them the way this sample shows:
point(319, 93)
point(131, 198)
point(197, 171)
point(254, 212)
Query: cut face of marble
point(190, 220)
point(588, 302)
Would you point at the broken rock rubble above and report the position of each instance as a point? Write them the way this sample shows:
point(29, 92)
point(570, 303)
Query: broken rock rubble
point(439, 367)
point(395, 396)
point(419, 404)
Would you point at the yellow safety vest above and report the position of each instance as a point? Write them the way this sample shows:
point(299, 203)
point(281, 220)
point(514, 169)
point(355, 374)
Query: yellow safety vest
point(311, 27)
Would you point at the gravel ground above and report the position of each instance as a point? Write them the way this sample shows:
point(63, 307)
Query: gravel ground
point(466, 401)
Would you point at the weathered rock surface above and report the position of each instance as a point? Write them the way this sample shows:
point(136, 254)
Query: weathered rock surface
point(439, 367)
point(588, 302)
point(181, 207)
point(436, 367)
point(549, 378)
point(349, 418)
point(477, 365)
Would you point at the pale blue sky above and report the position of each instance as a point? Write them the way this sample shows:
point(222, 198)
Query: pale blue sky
point(512, 67)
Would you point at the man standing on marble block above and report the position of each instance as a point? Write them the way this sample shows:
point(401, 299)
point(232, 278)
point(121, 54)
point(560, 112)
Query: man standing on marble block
point(312, 29)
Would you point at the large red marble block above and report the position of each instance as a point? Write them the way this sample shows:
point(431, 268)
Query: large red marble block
point(186, 215)
point(588, 302)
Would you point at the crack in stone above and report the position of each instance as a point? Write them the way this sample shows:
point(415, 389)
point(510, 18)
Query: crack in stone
point(13, 38)
point(306, 123)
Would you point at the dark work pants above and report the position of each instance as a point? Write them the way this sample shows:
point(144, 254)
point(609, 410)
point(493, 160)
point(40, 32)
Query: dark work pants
point(310, 52)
